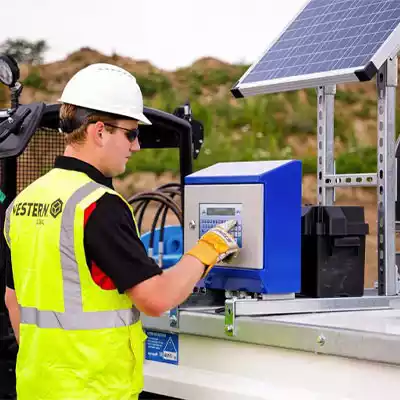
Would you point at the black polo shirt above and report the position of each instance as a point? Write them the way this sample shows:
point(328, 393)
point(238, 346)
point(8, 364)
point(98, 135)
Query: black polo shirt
point(114, 252)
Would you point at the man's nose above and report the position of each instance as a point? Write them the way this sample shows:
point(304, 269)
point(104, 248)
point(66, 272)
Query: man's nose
point(135, 146)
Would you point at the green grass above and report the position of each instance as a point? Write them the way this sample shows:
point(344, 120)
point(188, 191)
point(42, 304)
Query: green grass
point(34, 80)
point(347, 97)
point(153, 83)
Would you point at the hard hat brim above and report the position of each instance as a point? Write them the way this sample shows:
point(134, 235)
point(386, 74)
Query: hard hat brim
point(139, 117)
point(144, 119)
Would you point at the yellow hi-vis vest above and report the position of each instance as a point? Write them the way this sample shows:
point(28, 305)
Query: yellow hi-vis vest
point(77, 341)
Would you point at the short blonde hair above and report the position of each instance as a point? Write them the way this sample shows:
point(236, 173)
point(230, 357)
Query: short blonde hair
point(78, 136)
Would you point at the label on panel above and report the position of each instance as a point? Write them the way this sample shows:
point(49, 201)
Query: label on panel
point(162, 347)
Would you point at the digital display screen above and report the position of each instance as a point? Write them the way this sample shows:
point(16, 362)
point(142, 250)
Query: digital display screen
point(220, 211)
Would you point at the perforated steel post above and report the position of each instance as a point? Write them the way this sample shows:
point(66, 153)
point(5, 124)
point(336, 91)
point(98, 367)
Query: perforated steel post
point(386, 87)
point(326, 143)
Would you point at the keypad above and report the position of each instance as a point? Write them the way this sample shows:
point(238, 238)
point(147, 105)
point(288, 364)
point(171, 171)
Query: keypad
point(207, 223)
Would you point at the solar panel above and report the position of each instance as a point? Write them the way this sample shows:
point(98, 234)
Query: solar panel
point(328, 42)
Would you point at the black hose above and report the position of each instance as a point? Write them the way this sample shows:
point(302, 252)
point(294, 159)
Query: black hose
point(164, 218)
point(164, 210)
point(167, 204)
point(157, 196)
point(160, 197)
point(169, 185)
point(163, 194)
point(139, 213)
point(153, 230)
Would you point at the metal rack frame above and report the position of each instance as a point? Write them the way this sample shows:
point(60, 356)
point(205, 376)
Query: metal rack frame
point(383, 179)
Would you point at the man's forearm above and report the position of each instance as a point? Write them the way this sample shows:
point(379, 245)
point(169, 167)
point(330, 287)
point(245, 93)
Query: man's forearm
point(163, 292)
point(13, 311)
point(181, 278)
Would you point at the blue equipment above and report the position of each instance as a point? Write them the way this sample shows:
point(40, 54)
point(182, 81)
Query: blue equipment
point(265, 199)
point(172, 245)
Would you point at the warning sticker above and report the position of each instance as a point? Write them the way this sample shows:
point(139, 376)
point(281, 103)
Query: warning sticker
point(162, 347)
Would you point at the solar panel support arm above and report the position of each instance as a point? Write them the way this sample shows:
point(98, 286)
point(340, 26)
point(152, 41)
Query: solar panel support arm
point(326, 142)
point(386, 191)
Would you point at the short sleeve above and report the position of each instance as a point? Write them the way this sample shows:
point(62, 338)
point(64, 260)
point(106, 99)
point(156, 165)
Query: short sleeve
point(112, 242)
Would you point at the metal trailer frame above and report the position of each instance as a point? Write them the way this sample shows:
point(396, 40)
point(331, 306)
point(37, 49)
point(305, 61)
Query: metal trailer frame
point(308, 356)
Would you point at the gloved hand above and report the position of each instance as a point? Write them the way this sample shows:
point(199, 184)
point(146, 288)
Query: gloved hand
point(216, 245)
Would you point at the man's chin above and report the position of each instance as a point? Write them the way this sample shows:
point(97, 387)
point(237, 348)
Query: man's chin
point(115, 173)
point(122, 170)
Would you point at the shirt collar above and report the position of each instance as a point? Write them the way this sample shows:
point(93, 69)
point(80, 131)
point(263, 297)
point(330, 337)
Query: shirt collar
point(74, 164)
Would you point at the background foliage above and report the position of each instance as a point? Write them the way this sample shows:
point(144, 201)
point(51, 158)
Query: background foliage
point(265, 127)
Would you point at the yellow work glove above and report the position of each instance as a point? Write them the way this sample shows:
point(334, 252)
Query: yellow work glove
point(216, 245)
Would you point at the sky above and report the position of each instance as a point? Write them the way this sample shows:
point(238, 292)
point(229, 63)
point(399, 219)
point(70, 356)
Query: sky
point(168, 33)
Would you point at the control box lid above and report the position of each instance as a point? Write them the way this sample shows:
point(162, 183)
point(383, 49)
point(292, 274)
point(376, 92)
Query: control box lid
point(236, 172)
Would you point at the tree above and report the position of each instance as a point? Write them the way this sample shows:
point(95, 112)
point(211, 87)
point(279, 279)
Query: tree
point(24, 51)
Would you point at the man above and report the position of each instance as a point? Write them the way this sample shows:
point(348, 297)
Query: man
point(80, 275)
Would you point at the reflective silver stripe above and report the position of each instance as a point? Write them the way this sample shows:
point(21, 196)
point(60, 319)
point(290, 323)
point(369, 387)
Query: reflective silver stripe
point(84, 321)
point(7, 223)
point(70, 271)
point(74, 318)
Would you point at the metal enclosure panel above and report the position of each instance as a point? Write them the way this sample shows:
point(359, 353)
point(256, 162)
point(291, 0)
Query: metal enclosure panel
point(252, 198)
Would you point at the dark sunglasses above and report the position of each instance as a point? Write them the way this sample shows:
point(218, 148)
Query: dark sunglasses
point(131, 134)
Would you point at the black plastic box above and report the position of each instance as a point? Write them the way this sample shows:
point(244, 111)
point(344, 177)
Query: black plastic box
point(333, 251)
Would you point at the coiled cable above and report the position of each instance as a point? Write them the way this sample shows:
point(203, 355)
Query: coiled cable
point(173, 190)
point(164, 195)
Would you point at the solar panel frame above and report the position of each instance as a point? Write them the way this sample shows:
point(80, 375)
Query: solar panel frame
point(388, 49)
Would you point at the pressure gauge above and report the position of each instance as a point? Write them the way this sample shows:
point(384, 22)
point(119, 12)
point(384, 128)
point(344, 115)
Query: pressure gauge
point(9, 71)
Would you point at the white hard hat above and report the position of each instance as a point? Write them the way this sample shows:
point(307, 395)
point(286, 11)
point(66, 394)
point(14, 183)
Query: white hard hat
point(107, 88)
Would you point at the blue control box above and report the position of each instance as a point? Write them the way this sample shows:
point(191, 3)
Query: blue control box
point(265, 199)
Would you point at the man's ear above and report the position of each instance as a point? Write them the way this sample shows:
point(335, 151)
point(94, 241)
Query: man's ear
point(95, 131)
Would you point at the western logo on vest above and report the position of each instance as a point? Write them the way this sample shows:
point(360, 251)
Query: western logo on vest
point(40, 210)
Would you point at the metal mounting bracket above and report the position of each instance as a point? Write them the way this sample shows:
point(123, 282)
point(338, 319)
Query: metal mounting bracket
point(174, 318)
point(230, 315)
